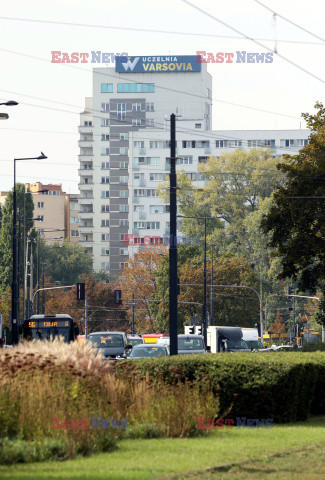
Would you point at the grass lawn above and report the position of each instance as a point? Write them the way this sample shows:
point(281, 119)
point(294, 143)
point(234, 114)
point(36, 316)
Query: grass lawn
point(189, 458)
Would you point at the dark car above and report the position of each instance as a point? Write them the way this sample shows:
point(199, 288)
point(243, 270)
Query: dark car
point(149, 351)
point(110, 344)
point(135, 340)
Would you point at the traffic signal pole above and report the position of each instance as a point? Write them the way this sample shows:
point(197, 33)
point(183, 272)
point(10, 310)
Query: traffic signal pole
point(173, 241)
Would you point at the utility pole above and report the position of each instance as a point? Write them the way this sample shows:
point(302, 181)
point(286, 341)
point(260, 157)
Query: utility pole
point(173, 241)
point(204, 319)
point(86, 318)
point(212, 299)
point(38, 270)
point(43, 305)
point(133, 306)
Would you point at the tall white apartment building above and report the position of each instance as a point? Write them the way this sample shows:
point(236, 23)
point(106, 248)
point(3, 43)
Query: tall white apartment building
point(139, 93)
point(124, 149)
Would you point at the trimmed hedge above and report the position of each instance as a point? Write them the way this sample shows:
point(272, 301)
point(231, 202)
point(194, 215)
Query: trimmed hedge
point(264, 385)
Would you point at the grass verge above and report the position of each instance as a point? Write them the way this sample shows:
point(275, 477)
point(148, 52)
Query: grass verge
point(176, 458)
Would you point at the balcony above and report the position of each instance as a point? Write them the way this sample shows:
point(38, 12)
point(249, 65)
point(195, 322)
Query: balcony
point(142, 151)
point(85, 143)
point(86, 214)
point(89, 157)
point(84, 240)
point(85, 129)
point(86, 228)
point(136, 166)
point(135, 199)
point(207, 150)
point(135, 231)
point(142, 215)
point(85, 200)
point(167, 167)
point(142, 182)
point(83, 171)
point(167, 231)
point(85, 186)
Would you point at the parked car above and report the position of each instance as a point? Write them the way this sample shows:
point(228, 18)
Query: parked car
point(110, 344)
point(135, 340)
point(186, 344)
point(149, 351)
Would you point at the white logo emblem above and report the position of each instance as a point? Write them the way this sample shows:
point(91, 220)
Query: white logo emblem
point(130, 65)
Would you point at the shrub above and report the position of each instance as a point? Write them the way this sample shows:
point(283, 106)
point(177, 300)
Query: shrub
point(259, 385)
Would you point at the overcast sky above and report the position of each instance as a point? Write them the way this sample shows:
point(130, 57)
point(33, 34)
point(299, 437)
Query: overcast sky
point(49, 121)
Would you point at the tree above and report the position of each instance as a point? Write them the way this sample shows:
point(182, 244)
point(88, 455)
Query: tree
point(278, 326)
point(296, 217)
point(103, 314)
point(140, 278)
point(66, 262)
point(232, 306)
point(24, 201)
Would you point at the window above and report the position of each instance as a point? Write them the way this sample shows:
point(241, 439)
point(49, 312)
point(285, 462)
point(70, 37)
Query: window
point(153, 161)
point(124, 151)
point(150, 107)
point(124, 223)
point(124, 193)
point(151, 192)
point(269, 143)
point(198, 125)
point(287, 143)
point(123, 265)
point(74, 233)
point(41, 218)
point(88, 124)
point(157, 144)
point(136, 121)
point(105, 180)
point(139, 192)
point(74, 219)
point(105, 194)
point(105, 223)
point(121, 114)
point(105, 151)
point(138, 176)
point(138, 144)
point(124, 165)
point(104, 122)
point(105, 165)
point(184, 161)
point(203, 159)
point(136, 107)
point(124, 179)
point(104, 107)
point(138, 208)
point(157, 177)
point(41, 205)
point(301, 142)
point(124, 208)
point(124, 251)
point(253, 143)
point(105, 251)
point(105, 237)
point(105, 208)
point(105, 265)
point(147, 225)
point(124, 136)
point(74, 206)
point(156, 209)
point(106, 88)
point(105, 137)
point(135, 88)
point(150, 122)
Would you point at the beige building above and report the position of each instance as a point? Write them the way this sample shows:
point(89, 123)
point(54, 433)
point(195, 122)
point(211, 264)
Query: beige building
point(72, 216)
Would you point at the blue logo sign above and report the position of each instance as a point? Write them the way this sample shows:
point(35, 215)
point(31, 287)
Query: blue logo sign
point(165, 64)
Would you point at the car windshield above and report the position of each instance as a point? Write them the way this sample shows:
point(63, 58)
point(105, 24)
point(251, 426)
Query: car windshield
point(104, 340)
point(190, 344)
point(135, 341)
point(239, 345)
point(153, 351)
point(254, 344)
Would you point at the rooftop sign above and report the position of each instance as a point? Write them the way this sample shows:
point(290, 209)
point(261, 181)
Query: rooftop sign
point(170, 63)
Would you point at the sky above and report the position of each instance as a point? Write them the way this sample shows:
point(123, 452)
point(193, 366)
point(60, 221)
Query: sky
point(51, 95)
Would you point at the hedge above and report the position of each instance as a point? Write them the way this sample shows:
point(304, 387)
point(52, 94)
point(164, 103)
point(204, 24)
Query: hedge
point(264, 385)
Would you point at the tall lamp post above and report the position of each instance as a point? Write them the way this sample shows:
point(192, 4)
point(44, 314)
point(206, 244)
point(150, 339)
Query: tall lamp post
point(212, 299)
point(14, 287)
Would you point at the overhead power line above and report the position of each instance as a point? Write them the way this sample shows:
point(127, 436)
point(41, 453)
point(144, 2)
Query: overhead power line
point(289, 21)
point(149, 30)
point(255, 41)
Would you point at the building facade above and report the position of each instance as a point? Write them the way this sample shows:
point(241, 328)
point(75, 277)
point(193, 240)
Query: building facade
point(124, 148)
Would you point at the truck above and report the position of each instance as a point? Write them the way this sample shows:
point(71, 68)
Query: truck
point(223, 338)
point(250, 337)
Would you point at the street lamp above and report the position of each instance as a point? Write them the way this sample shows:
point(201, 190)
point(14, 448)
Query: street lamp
point(14, 287)
point(212, 299)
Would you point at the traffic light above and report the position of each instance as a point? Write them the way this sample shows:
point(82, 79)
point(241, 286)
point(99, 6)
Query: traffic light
point(199, 330)
point(191, 330)
point(117, 297)
point(81, 291)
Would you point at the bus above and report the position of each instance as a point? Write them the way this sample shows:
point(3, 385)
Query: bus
point(47, 327)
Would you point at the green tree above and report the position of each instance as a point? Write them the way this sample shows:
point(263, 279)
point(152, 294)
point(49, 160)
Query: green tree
point(295, 220)
point(66, 262)
point(24, 202)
